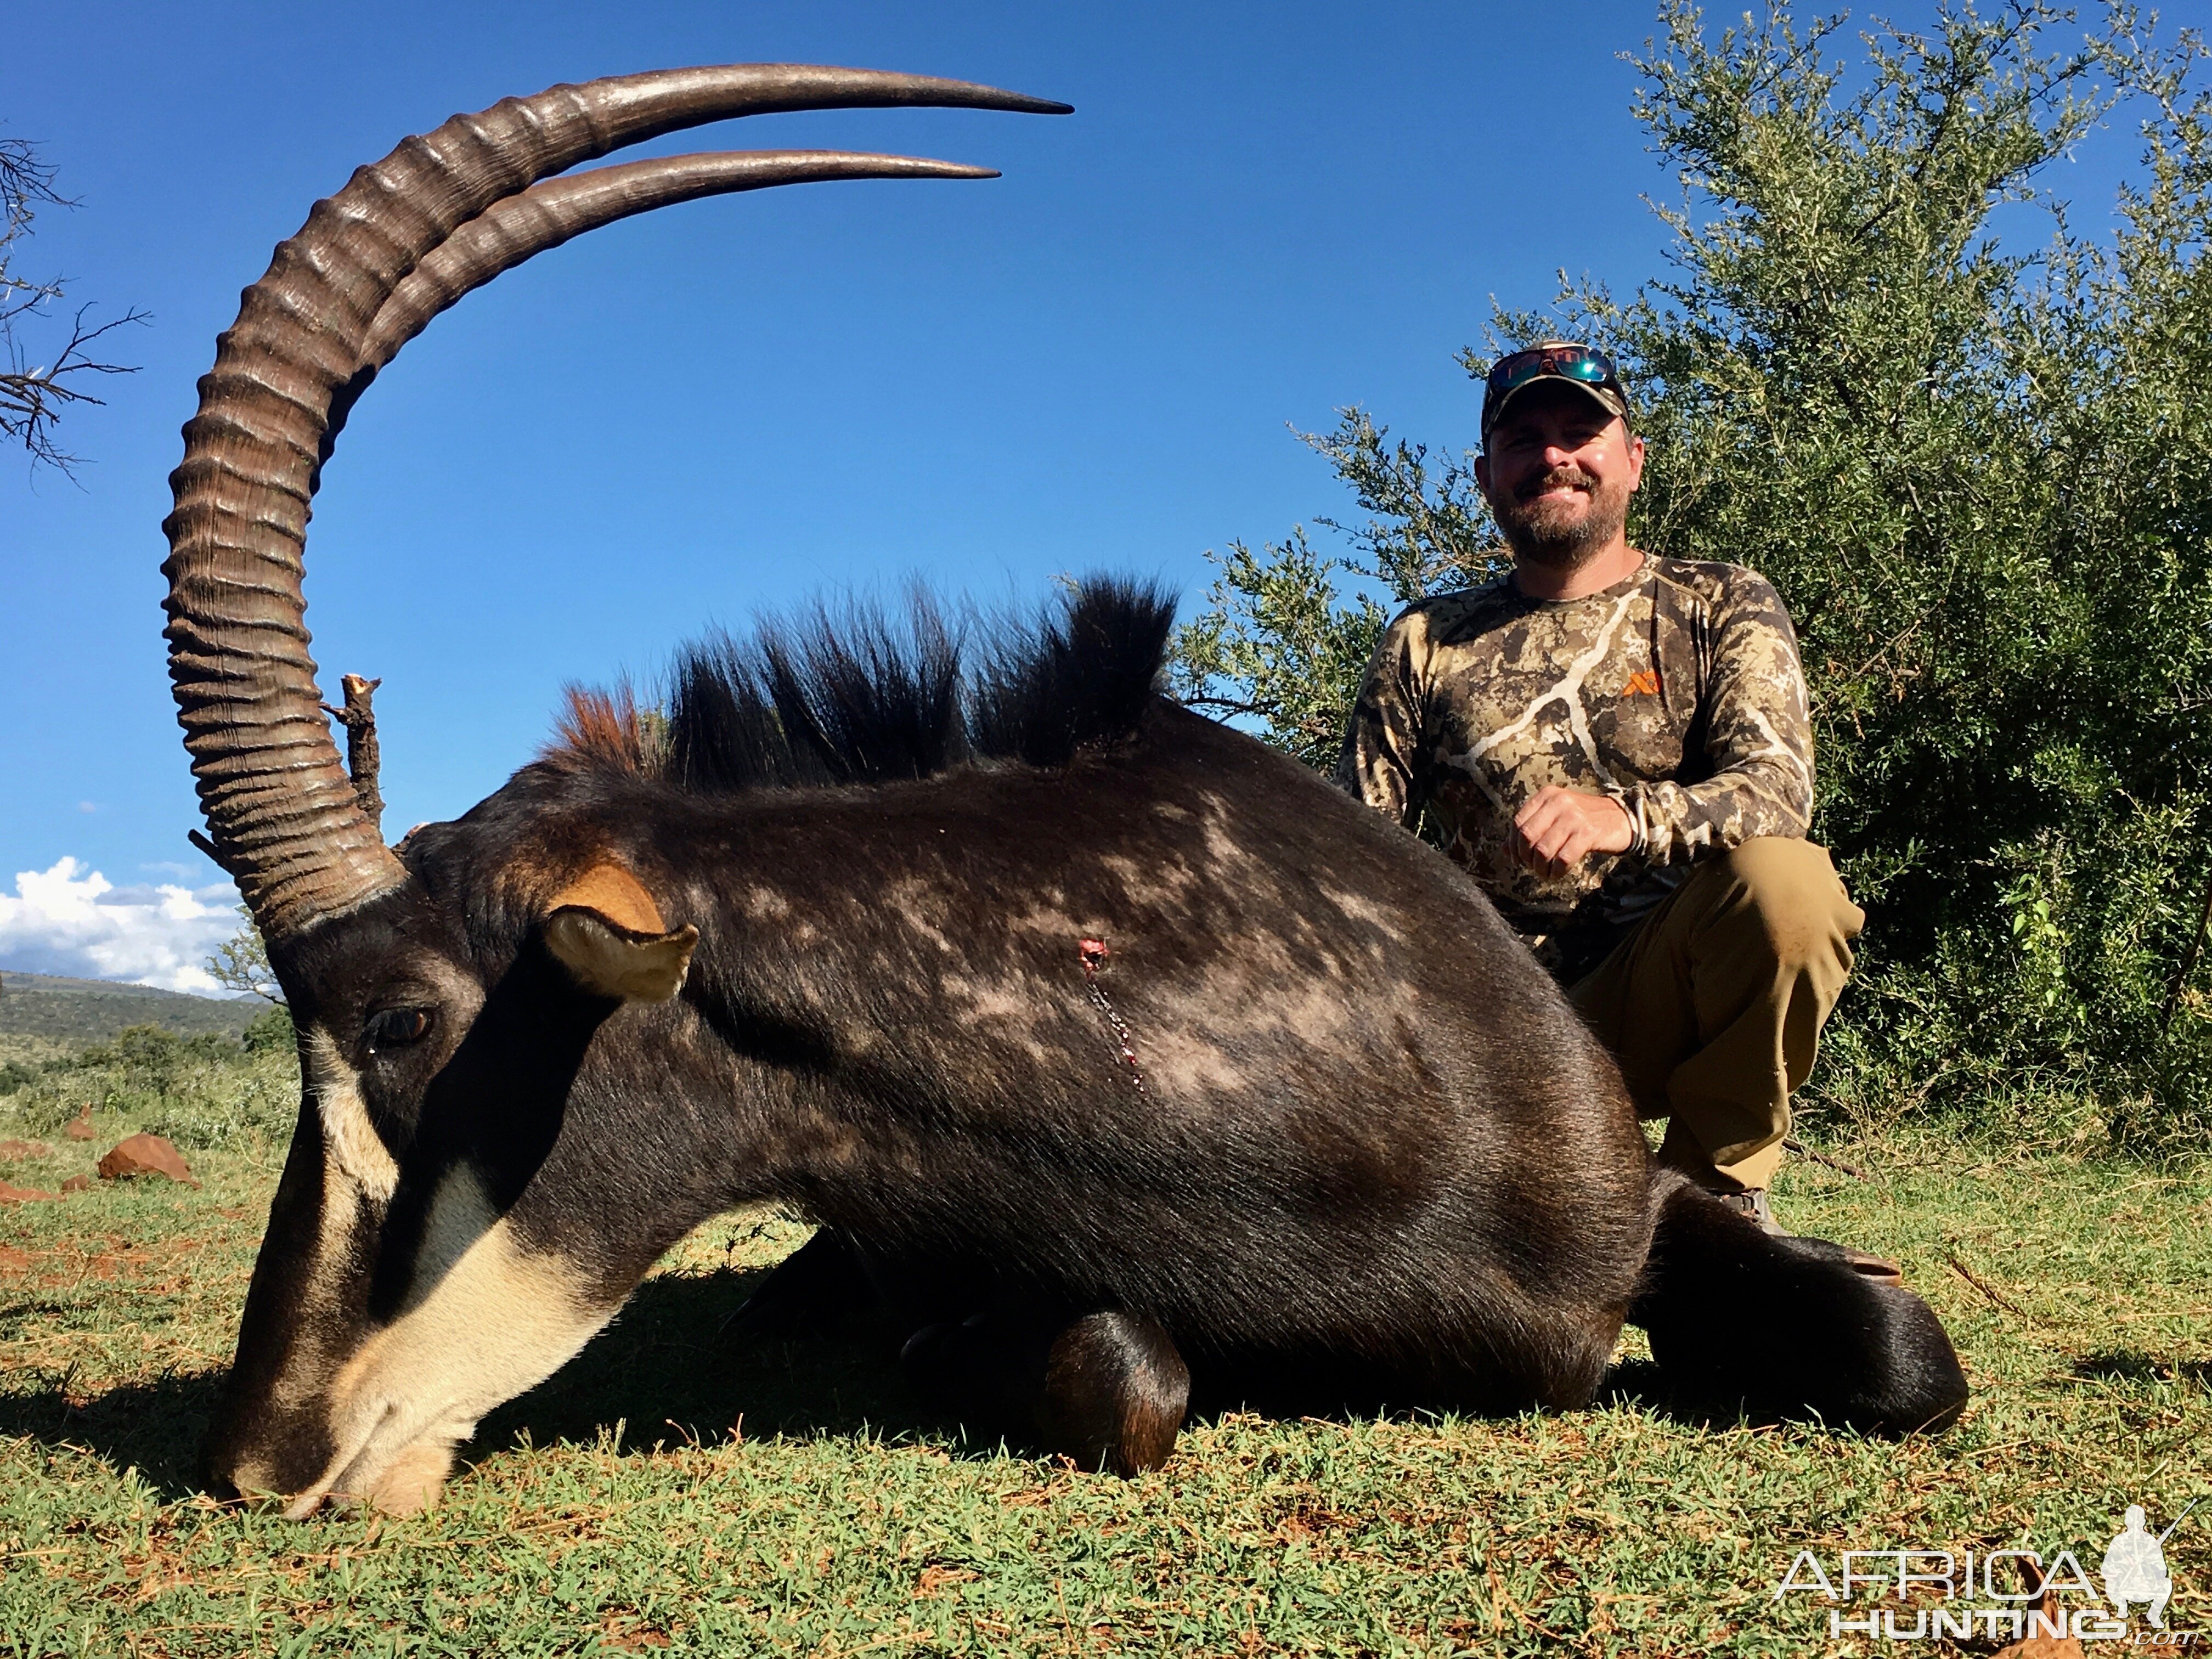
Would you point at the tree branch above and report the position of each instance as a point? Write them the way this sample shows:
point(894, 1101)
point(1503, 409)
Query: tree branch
point(31, 399)
point(363, 755)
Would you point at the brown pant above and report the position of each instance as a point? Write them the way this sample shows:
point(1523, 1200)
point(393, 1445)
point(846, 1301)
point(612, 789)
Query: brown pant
point(1714, 1005)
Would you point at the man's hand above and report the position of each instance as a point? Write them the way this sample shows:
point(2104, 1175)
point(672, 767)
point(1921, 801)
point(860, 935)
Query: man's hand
point(1559, 828)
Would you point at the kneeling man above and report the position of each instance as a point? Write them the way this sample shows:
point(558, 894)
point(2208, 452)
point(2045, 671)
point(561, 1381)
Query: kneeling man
point(1616, 745)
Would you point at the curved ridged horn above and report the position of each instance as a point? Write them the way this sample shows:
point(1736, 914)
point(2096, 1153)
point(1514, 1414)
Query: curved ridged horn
point(508, 233)
point(279, 806)
point(522, 227)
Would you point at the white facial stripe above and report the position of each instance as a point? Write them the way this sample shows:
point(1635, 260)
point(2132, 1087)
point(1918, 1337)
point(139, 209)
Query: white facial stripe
point(348, 1137)
point(484, 1319)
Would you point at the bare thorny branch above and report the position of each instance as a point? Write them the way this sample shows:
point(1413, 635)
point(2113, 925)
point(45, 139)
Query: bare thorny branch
point(34, 393)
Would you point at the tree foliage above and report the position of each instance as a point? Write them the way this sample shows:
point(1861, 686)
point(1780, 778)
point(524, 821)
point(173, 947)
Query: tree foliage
point(1279, 645)
point(1975, 457)
point(240, 962)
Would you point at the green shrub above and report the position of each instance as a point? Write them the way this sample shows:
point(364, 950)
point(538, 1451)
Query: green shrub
point(270, 1031)
point(197, 1090)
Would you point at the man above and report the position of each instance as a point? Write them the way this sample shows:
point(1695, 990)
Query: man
point(1617, 747)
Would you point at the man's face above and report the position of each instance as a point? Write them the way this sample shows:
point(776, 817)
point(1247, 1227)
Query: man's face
point(1558, 473)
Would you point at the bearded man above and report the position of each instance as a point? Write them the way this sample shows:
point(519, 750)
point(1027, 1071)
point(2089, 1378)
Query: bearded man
point(1616, 745)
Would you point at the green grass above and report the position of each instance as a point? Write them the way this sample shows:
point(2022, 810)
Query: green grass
point(667, 1488)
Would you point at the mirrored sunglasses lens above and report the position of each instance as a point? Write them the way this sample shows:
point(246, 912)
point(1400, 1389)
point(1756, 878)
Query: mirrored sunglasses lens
point(1509, 371)
point(1515, 372)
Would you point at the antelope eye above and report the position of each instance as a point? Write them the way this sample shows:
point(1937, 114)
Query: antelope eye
point(397, 1028)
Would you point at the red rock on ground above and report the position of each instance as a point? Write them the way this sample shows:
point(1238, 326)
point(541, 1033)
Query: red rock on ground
point(77, 1184)
point(2042, 1647)
point(12, 1149)
point(20, 1195)
point(142, 1155)
point(80, 1127)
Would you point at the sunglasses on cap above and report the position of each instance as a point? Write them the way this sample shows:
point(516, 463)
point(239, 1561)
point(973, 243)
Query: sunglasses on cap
point(1555, 360)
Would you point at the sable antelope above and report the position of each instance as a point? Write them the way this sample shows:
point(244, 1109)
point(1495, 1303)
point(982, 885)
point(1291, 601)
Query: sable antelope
point(1022, 978)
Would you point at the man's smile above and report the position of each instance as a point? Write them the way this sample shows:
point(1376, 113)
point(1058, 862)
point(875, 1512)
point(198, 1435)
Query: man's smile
point(1554, 483)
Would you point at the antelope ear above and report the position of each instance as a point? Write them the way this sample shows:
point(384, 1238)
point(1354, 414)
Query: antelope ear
point(607, 932)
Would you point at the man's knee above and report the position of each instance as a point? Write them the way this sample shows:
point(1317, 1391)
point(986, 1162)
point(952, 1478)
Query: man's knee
point(1784, 892)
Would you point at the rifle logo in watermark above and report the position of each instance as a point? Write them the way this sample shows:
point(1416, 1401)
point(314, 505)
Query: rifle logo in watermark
point(2008, 1594)
point(2135, 1569)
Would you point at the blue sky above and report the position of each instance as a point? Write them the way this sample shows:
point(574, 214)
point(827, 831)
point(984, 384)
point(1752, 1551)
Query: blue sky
point(1258, 214)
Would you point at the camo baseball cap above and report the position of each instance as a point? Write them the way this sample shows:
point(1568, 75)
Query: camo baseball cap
point(1588, 371)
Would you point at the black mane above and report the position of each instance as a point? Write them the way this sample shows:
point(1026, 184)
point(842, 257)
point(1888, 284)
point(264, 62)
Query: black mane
point(852, 696)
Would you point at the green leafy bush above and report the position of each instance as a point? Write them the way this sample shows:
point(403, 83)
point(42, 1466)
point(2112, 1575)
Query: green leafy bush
point(270, 1032)
point(1981, 477)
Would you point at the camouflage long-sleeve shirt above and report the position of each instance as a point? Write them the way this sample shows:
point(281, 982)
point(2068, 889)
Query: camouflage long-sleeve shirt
point(1676, 691)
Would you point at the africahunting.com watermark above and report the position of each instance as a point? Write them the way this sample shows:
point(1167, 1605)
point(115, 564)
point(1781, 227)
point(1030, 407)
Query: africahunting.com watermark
point(2002, 1595)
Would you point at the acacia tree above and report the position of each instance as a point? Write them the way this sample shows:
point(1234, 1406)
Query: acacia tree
point(34, 391)
point(240, 962)
point(1981, 477)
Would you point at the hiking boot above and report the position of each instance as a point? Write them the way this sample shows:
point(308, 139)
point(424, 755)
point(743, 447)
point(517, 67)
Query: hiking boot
point(1751, 1204)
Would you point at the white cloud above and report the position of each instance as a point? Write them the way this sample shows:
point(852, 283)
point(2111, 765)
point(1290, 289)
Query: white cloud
point(70, 920)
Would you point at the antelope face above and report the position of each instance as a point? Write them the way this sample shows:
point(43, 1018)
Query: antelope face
point(429, 1256)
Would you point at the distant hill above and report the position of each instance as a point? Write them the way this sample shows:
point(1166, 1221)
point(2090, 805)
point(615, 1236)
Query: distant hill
point(75, 1011)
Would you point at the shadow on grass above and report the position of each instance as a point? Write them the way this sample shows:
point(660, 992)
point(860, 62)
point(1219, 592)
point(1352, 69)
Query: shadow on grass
point(1641, 1385)
point(2133, 1365)
point(663, 1372)
point(155, 1427)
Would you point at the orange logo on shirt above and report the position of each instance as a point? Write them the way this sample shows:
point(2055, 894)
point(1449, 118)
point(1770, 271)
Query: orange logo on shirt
point(1644, 681)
